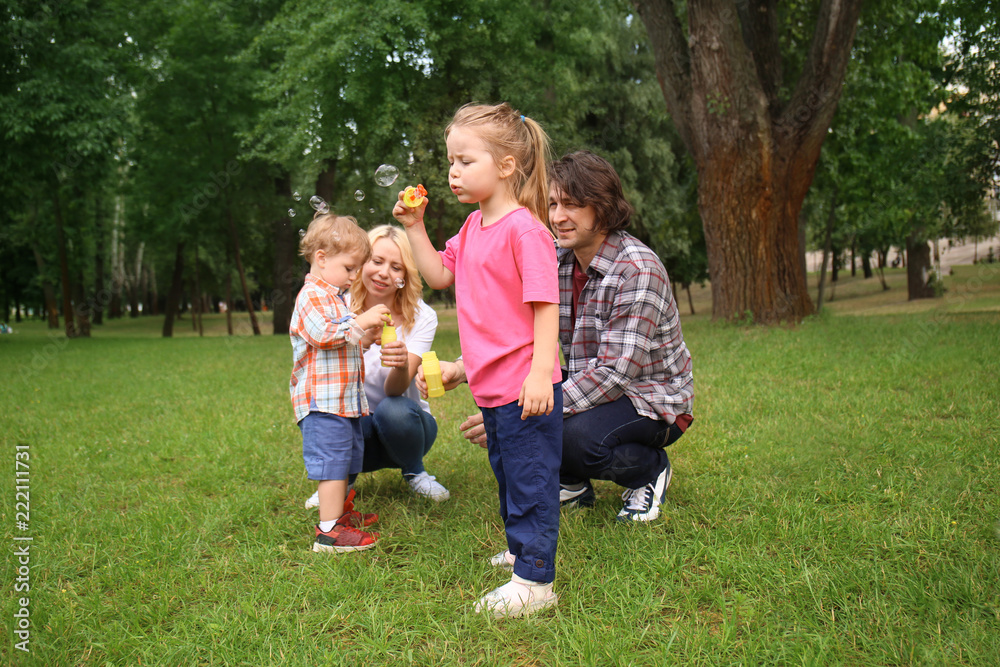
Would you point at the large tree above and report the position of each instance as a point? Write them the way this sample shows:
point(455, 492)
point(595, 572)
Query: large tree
point(755, 140)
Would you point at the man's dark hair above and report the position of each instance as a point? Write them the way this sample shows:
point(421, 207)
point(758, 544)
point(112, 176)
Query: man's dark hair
point(586, 179)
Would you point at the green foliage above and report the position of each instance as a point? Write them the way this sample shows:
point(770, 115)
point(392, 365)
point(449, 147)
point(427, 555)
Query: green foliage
point(901, 155)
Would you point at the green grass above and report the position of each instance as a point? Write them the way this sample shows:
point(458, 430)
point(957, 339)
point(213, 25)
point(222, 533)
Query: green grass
point(835, 502)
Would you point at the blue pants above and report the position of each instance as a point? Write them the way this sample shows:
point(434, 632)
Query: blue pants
point(614, 442)
point(398, 434)
point(525, 459)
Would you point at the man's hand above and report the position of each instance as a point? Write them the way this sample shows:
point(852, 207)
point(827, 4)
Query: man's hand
point(473, 430)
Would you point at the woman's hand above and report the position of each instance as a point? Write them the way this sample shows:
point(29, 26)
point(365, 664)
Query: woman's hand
point(395, 354)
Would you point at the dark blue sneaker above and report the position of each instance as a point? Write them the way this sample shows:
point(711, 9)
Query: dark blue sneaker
point(582, 497)
point(643, 504)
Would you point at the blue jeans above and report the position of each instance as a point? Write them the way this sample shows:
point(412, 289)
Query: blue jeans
point(614, 442)
point(398, 434)
point(525, 459)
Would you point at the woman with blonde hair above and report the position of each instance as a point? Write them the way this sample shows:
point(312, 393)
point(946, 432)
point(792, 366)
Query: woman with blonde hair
point(400, 429)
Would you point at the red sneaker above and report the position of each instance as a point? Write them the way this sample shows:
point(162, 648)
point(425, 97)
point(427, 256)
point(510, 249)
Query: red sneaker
point(358, 520)
point(342, 538)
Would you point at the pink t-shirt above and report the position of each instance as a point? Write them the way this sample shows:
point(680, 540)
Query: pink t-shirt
point(499, 271)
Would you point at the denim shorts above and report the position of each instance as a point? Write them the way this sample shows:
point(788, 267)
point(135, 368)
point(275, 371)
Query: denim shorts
point(332, 446)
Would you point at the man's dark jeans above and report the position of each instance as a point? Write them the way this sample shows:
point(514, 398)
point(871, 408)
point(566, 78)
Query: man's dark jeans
point(614, 442)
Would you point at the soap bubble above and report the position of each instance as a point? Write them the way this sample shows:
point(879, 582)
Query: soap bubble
point(296, 196)
point(386, 175)
point(359, 195)
point(319, 204)
point(371, 210)
point(400, 283)
point(291, 213)
point(302, 233)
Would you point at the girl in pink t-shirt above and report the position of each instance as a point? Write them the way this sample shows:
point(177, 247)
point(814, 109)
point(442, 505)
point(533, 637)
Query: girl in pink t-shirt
point(503, 265)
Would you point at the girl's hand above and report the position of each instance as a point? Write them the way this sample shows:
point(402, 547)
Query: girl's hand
point(536, 396)
point(374, 317)
point(395, 354)
point(408, 217)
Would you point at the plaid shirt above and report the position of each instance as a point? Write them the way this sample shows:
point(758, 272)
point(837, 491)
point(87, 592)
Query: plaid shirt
point(327, 370)
point(627, 338)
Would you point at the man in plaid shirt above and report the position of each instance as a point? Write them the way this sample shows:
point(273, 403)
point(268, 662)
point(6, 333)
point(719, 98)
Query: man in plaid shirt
point(628, 389)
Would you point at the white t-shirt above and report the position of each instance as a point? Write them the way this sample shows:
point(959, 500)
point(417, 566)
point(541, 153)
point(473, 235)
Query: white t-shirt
point(419, 338)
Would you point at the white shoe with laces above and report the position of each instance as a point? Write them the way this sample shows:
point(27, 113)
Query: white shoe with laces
point(427, 486)
point(643, 504)
point(518, 597)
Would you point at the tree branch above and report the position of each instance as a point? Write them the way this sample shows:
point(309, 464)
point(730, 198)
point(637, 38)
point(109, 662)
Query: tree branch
point(759, 24)
point(808, 114)
point(672, 58)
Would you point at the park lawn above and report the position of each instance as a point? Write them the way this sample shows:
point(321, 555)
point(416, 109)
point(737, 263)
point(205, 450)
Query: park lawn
point(835, 502)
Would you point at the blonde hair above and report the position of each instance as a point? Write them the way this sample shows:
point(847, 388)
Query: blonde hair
point(407, 297)
point(334, 234)
point(504, 131)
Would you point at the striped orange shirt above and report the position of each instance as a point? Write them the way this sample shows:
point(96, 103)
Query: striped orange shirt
point(328, 369)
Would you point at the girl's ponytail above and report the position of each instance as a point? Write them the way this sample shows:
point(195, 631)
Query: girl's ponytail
point(534, 192)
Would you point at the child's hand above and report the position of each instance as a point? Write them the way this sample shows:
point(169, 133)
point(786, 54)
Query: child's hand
point(375, 316)
point(408, 217)
point(371, 337)
point(536, 396)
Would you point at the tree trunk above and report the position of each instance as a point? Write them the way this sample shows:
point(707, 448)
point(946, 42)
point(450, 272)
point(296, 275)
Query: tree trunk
point(82, 308)
point(196, 302)
point(285, 256)
point(918, 266)
point(687, 288)
point(802, 250)
point(100, 294)
point(154, 294)
point(117, 259)
point(827, 242)
point(755, 153)
point(51, 309)
point(866, 265)
point(239, 268)
point(326, 181)
point(834, 264)
point(67, 288)
point(174, 295)
point(229, 301)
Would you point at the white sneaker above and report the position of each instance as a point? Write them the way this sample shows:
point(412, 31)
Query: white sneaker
point(312, 501)
point(504, 560)
point(643, 504)
point(518, 597)
point(427, 486)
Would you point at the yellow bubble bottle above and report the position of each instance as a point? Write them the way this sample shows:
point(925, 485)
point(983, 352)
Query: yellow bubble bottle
point(432, 374)
point(388, 335)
